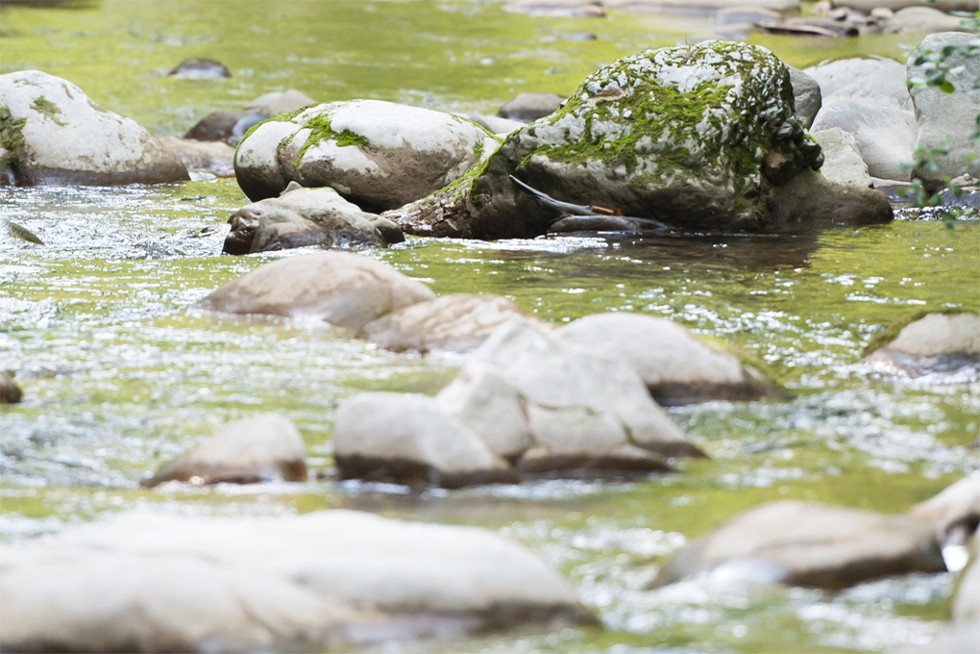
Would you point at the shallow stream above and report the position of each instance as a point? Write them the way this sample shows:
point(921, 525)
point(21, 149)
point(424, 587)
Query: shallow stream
point(121, 373)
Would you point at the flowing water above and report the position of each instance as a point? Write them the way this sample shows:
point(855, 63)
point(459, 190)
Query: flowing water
point(121, 373)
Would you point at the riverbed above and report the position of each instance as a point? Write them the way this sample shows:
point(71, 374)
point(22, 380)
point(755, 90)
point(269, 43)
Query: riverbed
point(121, 373)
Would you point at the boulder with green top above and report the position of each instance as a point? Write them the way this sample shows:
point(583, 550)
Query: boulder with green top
point(378, 155)
point(699, 137)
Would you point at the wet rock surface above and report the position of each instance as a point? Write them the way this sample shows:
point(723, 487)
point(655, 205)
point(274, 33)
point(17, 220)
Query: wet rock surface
point(303, 217)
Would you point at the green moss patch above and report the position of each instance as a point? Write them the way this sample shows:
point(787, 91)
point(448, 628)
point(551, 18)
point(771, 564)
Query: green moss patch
point(48, 109)
point(322, 130)
point(11, 138)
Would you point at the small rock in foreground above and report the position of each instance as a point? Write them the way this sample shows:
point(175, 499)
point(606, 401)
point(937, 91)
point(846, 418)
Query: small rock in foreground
point(265, 447)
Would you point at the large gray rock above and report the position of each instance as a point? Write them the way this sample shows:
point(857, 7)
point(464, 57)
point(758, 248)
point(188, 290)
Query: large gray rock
point(302, 217)
point(808, 544)
point(807, 97)
point(378, 155)
point(868, 80)
point(698, 136)
point(677, 366)
point(843, 163)
point(946, 121)
point(576, 390)
point(52, 133)
point(406, 438)
point(451, 323)
point(314, 582)
point(927, 343)
point(884, 135)
point(346, 290)
point(265, 447)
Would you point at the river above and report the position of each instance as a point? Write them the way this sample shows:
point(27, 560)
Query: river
point(121, 374)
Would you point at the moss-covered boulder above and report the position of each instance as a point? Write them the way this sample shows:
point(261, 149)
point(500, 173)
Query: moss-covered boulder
point(699, 137)
point(378, 155)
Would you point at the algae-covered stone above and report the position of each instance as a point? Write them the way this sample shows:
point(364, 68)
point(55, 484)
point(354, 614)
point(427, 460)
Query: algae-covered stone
point(379, 155)
point(694, 136)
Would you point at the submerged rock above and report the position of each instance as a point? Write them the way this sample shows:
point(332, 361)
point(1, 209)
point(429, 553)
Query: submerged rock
point(930, 342)
point(346, 290)
point(10, 392)
point(378, 155)
point(947, 121)
point(453, 323)
point(530, 106)
point(52, 133)
point(699, 137)
point(230, 126)
point(301, 217)
point(315, 582)
point(677, 366)
point(806, 544)
point(198, 68)
point(203, 160)
point(265, 447)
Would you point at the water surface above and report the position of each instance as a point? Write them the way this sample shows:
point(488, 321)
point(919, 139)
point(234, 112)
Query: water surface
point(121, 373)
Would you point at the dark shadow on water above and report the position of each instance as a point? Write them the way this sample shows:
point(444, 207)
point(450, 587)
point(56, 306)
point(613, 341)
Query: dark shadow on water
point(747, 251)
